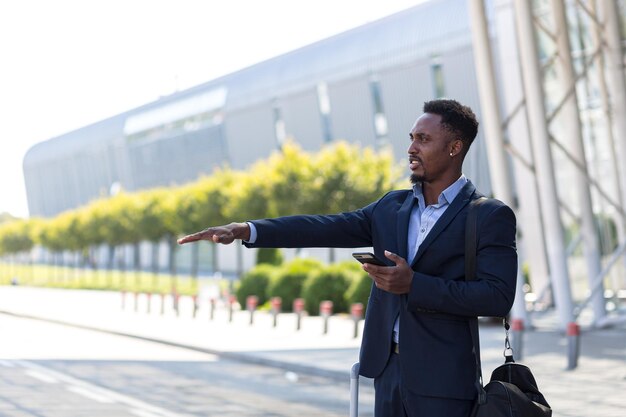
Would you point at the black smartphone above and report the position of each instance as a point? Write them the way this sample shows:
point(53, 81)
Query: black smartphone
point(368, 258)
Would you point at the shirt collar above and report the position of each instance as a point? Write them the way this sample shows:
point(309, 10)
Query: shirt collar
point(446, 195)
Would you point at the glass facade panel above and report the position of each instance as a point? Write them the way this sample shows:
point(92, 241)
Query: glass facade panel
point(324, 108)
point(436, 69)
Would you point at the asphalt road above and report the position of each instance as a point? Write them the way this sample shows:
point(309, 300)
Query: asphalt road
point(50, 370)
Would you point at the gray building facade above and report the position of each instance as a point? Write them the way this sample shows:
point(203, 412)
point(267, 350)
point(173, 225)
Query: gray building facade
point(366, 86)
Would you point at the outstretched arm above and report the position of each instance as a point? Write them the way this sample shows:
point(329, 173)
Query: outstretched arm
point(220, 234)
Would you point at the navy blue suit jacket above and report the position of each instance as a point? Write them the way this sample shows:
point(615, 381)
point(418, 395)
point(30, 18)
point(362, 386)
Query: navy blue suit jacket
point(436, 351)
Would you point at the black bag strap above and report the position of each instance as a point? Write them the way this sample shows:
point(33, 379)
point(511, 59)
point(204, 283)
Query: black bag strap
point(471, 239)
point(470, 274)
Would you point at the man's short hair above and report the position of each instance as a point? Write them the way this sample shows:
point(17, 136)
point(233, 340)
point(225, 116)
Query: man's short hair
point(456, 118)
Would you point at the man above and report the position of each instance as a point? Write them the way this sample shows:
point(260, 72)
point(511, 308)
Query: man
point(416, 342)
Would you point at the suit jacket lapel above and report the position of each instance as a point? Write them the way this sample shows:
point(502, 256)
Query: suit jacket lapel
point(460, 201)
point(402, 224)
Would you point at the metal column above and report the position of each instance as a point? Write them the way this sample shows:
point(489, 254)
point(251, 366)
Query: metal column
point(498, 166)
point(529, 215)
point(573, 131)
point(543, 162)
point(615, 75)
point(616, 184)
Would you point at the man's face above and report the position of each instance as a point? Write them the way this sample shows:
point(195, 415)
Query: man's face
point(429, 152)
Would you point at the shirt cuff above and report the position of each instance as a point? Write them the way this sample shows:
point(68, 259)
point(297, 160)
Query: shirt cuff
point(253, 234)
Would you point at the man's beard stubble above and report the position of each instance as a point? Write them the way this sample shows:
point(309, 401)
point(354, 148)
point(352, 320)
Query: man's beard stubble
point(416, 179)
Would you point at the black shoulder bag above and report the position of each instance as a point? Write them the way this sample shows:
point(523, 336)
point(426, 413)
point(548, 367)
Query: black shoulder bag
point(512, 391)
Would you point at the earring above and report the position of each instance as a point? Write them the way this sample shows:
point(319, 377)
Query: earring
point(451, 154)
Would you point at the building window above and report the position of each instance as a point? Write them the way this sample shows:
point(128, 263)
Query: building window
point(279, 127)
point(438, 86)
point(171, 119)
point(380, 119)
point(323, 101)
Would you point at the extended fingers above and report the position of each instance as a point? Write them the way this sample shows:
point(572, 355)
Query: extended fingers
point(189, 238)
point(205, 234)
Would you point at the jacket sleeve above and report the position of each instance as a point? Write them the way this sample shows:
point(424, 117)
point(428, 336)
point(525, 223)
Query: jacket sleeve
point(344, 230)
point(493, 290)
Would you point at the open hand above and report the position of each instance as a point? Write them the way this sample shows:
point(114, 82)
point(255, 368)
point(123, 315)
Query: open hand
point(219, 234)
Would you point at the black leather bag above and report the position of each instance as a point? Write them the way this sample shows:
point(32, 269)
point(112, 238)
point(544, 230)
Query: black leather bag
point(512, 390)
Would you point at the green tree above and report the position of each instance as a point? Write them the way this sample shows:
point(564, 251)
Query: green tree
point(289, 175)
point(205, 203)
point(152, 223)
point(16, 237)
point(348, 177)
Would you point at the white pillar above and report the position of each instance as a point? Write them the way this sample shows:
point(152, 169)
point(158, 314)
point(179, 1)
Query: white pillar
point(543, 162)
point(614, 57)
point(529, 214)
point(492, 122)
point(573, 132)
point(615, 74)
point(496, 156)
point(616, 184)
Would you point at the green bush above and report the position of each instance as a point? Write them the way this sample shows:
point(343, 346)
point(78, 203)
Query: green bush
point(330, 283)
point(271, 256)
point(359, 290)
point(255, 282)
point(289, 280)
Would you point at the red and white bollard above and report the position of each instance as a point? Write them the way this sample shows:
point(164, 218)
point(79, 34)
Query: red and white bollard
point(326, 310)
point(298, 308)
point(277, 304)
point(517, 330)
point(211, 308)
point(573, 345)
point(148, 302)
point(176, 297)
point(195, 305)
point(231, 302)
point(136, 301)
point(163, 295)
point(251, 303)
point(356, 312)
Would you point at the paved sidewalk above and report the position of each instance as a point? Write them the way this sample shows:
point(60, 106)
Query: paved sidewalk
point(595, 388)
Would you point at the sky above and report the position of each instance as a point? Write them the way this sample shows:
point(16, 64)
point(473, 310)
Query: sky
point(65, 64)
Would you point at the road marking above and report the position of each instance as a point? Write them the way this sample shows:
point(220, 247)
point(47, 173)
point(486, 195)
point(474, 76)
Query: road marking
point(7, 364)
point(41, 376)
point(90, 394)
point(98, 393)
point(143, 413)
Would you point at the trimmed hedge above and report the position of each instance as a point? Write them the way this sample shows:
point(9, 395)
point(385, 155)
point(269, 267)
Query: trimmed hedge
point(329, 283)
point(343, 283)
point(255, 282)
point(289, 280)
point(270, 256)
point(360, 288)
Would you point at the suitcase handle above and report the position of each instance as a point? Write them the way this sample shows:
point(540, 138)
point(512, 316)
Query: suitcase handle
point(354, 390)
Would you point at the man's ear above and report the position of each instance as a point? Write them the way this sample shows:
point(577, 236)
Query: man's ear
point(457, 147)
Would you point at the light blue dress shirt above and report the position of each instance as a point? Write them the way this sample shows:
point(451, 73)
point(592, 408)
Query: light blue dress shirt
point(422, 220)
